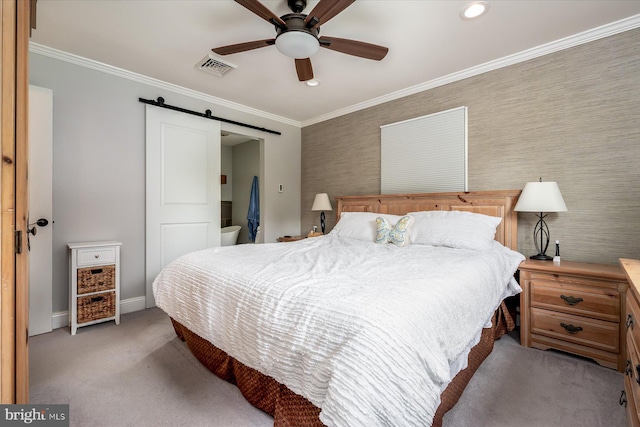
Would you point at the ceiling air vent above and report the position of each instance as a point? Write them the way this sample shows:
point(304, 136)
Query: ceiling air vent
point(215, 65)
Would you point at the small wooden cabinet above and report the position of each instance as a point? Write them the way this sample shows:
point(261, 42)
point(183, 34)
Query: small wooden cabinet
point(631, 394)
point(575, 307)
point(94, 275)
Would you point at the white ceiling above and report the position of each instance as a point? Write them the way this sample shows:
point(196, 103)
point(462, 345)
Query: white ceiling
point(427, 41)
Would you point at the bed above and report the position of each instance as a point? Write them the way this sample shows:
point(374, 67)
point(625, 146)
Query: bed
point(339, 330)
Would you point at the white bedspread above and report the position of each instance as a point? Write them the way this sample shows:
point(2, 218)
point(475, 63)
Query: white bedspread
point(365, 332)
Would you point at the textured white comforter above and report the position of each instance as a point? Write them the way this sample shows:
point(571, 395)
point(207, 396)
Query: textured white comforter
point(366, 332)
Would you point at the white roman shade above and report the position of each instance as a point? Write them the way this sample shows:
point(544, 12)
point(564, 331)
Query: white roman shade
point(425, 154)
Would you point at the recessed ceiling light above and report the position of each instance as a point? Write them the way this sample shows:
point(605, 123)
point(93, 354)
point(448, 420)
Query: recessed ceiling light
point(312, 82)
point(474, 10)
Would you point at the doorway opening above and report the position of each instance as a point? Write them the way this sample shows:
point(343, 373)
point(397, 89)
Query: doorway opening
point(241, 159)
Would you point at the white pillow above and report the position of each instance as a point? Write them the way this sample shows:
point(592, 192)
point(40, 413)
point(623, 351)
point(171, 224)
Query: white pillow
point(360, 225)
point(454, 229)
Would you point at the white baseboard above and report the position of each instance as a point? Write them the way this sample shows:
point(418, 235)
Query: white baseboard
point(60, 319)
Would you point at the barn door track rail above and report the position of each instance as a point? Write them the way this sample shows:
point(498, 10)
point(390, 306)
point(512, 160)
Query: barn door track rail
point(207, 114)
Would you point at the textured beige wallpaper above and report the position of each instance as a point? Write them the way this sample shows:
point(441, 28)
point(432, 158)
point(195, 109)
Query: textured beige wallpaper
point(572, 117)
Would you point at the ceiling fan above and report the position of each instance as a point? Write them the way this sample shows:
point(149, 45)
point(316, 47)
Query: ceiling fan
point(297, 34)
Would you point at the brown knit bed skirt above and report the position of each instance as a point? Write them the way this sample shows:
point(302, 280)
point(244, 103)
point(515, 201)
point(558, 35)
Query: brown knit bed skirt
point(292, 410)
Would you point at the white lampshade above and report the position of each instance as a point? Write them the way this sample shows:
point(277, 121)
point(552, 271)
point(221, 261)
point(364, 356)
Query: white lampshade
point(297, 44)
point(321, 203)
point(541, 197)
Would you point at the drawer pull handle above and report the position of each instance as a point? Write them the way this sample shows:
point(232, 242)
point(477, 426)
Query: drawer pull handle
point(629, 322)
point(623, 399)
point(96, 256)
point(573, 329)
point(97, 271)
point(571, 300)
point(97, 299)
point(628, 369)
point(638, 374)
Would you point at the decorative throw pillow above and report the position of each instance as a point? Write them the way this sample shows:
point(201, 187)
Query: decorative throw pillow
point(382, 230)
point(398, 234)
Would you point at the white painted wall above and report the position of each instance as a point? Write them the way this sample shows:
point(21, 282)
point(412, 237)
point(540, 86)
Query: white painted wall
point(99, 158)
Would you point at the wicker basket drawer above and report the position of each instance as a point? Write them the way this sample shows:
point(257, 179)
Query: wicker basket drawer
point(96, 279)
point(97, 306)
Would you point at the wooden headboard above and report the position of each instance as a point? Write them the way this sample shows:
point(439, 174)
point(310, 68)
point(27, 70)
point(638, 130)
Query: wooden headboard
point(495, 203)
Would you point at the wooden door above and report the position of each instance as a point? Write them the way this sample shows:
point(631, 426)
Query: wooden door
point(15, 24)
point(183, 187)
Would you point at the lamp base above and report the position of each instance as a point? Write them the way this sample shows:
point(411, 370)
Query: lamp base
point(542, 257)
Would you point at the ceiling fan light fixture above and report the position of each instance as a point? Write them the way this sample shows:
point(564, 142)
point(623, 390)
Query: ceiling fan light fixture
point(474, 10)
point(297, 44)
point(312, 82)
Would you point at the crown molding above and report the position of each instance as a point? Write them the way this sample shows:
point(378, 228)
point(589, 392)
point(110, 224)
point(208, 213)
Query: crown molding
point(129, 75)
point(597, 33)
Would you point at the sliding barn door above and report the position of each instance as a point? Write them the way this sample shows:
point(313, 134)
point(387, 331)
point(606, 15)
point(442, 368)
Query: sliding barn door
point(183, 188)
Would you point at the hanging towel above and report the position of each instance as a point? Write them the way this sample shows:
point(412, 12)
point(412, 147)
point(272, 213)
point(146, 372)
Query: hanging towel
point(254, 210)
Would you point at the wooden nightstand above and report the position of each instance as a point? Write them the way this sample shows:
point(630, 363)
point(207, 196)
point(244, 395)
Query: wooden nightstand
point(291, 238)
point(575, 307)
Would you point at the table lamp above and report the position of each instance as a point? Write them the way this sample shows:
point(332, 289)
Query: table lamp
point(541, 197)
point(321, 203)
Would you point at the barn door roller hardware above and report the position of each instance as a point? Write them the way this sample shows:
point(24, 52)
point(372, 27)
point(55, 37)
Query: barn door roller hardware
point(207, 114)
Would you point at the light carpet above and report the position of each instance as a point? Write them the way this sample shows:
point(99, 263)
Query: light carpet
point(140, 374)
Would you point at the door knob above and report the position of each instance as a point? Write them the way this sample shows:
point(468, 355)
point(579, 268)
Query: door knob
point(31, 228)
point(42, 222)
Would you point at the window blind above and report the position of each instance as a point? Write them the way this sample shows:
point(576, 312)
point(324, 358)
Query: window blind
point(425, 154)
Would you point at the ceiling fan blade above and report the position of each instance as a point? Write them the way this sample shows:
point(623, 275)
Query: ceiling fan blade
point(325, 10)
point(242, 47)
point(354, 47)
point(262, 11)
point(304, 69)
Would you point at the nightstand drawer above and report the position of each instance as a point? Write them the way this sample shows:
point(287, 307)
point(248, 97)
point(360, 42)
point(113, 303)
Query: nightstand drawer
point(96, 279)
point(577, 329)
point(96, 306)
point(571, 281)
point(96, 256)
point(604, 305)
